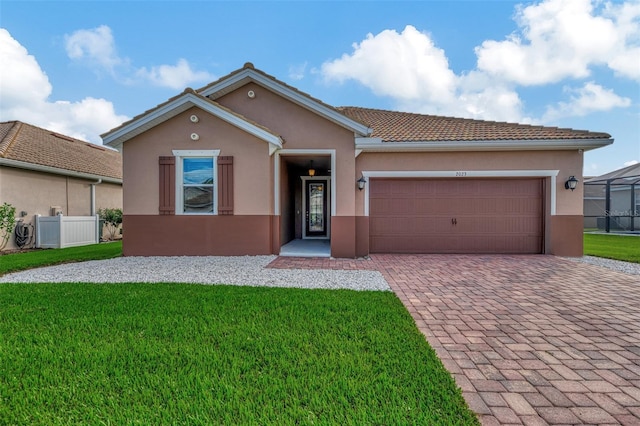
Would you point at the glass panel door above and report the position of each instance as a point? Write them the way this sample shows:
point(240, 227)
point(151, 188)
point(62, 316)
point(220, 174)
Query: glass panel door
point(316, 209)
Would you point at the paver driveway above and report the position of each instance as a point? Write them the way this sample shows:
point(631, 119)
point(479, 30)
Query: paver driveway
point(529, 339)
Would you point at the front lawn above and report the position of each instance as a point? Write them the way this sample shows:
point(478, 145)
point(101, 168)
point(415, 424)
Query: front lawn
point(33, 259)
point(618, 247)
point(194, 354)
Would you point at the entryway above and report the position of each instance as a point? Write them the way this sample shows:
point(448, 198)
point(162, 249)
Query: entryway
point(305, 199)
point(306, 248)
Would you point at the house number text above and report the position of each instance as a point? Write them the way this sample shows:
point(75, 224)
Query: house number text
point(461, 174)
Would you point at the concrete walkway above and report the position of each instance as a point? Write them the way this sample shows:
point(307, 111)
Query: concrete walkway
point(529, 339)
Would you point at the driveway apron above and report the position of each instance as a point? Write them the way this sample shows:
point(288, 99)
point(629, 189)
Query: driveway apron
point(529, 339)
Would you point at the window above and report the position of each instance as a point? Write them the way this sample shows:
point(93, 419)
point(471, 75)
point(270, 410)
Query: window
point(196, 182)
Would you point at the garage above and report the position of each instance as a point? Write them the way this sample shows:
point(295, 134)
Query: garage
point(461, 215)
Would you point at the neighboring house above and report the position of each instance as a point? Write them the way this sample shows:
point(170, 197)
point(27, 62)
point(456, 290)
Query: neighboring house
point(623, 200)
point(225, 170)
point(46, 173)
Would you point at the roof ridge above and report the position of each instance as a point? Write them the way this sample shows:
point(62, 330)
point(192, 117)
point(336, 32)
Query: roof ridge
point(14, 131)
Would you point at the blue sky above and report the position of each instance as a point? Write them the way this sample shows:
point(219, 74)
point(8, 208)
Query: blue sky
point(83, 67)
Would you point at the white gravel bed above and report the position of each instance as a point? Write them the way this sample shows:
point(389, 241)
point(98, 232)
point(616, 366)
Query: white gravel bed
point(235, 270)
point(616, 265)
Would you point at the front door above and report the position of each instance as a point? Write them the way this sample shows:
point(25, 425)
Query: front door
point(315, 212)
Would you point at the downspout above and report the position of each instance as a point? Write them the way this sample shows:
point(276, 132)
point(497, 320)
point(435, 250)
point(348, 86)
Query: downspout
point(93, 196)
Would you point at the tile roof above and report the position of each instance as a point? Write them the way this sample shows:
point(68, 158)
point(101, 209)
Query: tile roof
point(30, 144)
point(392, 126)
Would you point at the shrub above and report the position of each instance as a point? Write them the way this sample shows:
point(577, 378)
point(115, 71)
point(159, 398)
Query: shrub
point(112, 218)
point(7, 223)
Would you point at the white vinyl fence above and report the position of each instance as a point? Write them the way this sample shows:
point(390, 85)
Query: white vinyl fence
point(66, 231)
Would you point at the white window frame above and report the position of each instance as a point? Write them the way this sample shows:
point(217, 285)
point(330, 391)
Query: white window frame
point(204, 153)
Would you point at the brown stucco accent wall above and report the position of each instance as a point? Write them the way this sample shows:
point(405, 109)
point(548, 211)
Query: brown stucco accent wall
point(343, 236)
point(181, 235)
point(563, 235)
point(362, 236)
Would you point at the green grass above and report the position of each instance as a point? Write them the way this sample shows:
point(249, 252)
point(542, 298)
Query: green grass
point(194, 354)
point(37, 258)
point(618, 247)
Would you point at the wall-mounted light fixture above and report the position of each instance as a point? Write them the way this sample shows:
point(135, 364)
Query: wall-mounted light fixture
point(312, 171)
point(195, 136)
point(571, 183)
point(194, 118)
point(361, 182)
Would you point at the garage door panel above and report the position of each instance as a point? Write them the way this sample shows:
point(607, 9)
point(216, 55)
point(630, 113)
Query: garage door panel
point(456, 216)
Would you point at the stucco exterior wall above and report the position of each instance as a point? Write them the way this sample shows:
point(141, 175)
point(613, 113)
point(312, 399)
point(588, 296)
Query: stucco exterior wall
point(301, 129)
point(36, 192)
point(253, 167)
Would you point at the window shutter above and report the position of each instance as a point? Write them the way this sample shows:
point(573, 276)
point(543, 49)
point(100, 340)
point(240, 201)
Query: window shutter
point(167, 185)
point(225, 185)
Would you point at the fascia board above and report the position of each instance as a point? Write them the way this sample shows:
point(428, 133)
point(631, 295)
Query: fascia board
point(482, 145)
point(179, 105)
point(293, 95)
point(56, 171)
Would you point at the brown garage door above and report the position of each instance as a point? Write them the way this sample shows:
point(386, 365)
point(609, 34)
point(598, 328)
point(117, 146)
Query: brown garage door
point(456, 215)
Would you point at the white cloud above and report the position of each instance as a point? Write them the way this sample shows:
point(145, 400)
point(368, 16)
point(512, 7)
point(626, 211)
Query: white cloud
point(176, 76)
point(561, 39)
point(585, 100)
point(21, 76)
point(556, 40)
point(406, 66)
point(624, 57)
point(412, 70)
point(26, 90)
point(97, 48)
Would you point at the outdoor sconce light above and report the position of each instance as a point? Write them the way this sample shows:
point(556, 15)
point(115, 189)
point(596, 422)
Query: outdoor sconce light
point(571, 183)
point(361, 183)
point(312, 171)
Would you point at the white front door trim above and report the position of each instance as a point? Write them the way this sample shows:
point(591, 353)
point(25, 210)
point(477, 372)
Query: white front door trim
point(305, 152)
point(461, 174)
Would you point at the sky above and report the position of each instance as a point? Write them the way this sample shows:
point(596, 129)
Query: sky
point(82, 68)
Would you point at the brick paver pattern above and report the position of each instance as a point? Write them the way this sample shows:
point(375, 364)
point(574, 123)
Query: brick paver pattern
point(529, 339)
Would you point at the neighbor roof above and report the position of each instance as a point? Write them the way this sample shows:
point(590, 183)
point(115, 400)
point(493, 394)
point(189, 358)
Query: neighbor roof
point(626, 175)
point(392, 126)
point(26, 146)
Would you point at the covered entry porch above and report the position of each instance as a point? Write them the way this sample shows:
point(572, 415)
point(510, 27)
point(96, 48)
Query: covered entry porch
point(305, 202)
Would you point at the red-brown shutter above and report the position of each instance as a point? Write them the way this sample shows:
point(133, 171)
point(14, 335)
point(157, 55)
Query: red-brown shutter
point(167, 185)
point(225, 185)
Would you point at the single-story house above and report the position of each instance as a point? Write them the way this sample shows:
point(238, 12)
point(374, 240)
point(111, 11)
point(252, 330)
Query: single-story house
point(248, 163)
point(616, 196)
point(46, 173)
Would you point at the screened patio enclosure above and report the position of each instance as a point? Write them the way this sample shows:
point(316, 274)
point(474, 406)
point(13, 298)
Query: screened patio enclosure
point(612, 201)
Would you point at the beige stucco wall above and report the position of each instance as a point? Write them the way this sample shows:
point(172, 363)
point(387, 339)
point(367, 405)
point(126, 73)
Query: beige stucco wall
point(252, 164)
point(569, 163)
point(35, 193)
point(301, 129)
